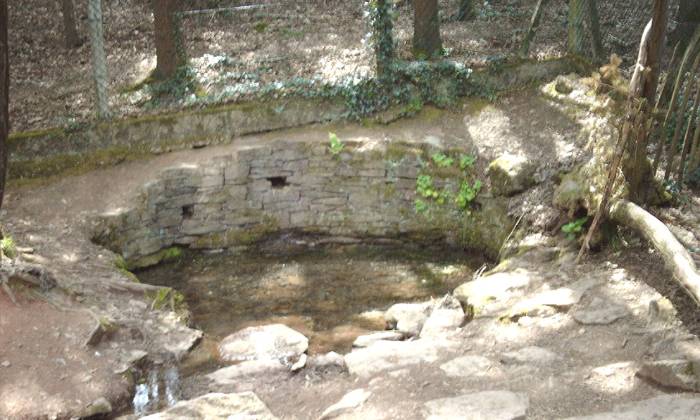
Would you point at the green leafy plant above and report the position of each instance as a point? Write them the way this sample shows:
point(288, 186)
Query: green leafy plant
point(467, 193)
point(421, 206)
point(336, 145)
point(425, 187)
point(466, 162)
point(574, 228)
point(8, 247)
point(442, 160)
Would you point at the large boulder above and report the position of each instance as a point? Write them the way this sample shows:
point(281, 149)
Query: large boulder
point(408, 318)
point(245, 405)
point(497, 287)
point(679, 374)
point(267, 342)
point(447, 315)
point(511, 174)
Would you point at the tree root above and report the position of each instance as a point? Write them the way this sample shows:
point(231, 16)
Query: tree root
point(676, 257)
point(33, 274)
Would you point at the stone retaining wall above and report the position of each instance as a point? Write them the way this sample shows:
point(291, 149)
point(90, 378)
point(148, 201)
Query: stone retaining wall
point(50, 152)
point(367, 191)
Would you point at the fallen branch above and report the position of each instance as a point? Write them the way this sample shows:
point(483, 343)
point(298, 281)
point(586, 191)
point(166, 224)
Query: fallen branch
point(653, 230)
point(226, 9)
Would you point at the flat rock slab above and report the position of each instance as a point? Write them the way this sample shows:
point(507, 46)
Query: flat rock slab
point(232, 375)
point(349, 402)
point(600, 312)
point(664, 407)
point(470, 366)
point(491, 405)
point(495, 287)
point(245, 405)
point(530, 355)
point(265, 342)
point(389, 355)
point(369, 339)
point(679, 374)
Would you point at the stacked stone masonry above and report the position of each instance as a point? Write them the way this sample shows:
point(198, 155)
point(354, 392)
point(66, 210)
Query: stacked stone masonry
point(367, 191)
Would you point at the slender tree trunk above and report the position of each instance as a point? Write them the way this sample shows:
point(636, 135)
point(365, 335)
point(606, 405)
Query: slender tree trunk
point(577, 35)
point(426, 29)
point(170, 48)
point(655, 50)
point(688, 19)
point(382, 31)
point(70, 29)
point(643, 86)
point(534, 23)
point(99, 59)
point(466, 10)
point(594, 27)
point(4, 95)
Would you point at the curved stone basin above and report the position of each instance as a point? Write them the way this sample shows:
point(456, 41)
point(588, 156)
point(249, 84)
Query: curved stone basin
point(367, 190)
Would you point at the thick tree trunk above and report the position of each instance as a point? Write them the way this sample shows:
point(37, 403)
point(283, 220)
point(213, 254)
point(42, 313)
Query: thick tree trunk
point(4, 95)
point(70, 29)
point(170, 48)
point(426, 29)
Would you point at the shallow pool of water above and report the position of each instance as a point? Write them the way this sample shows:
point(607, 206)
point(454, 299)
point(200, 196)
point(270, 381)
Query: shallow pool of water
point(331, 294)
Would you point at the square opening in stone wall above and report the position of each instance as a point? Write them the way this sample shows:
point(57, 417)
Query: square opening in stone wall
point(278, 182)
point(188, 211)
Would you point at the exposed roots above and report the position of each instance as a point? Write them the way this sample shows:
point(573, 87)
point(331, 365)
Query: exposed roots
point(33, 274)
point(674, 254)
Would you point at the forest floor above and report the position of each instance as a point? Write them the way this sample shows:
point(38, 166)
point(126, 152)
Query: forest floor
point(235, 52)
point(589, 368)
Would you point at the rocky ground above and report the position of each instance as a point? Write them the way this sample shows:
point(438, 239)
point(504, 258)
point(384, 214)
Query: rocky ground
point(541, 336)
point(320, 39)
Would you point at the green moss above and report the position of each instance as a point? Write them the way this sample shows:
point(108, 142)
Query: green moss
point(8, 247)
point(238, 237)
point(27, 135)
point(164, 255)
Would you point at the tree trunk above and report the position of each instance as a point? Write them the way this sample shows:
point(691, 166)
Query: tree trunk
point(643, 85)
point(577, 35)
point(688, 18)
point(170, 48)
point(594, 27)
point(383, 33)
point(99, 59)
point(466, 10)
point(426, 29)
point(4, 95)
point(534, 23)
point(70, 29)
